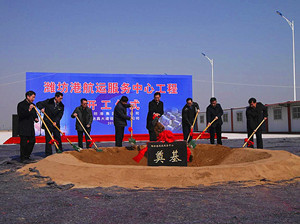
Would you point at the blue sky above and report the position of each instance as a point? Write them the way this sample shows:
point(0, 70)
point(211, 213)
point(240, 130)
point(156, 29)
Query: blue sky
point(250, 44)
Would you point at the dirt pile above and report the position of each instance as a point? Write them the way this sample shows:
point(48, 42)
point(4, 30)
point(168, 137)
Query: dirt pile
point(211, 164)
point(109, 156)
point(203, 155)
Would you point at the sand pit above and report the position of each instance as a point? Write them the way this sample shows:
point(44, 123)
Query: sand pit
point(211, 165)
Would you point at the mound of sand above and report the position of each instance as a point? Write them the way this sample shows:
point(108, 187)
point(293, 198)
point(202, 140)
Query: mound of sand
point(211, 164)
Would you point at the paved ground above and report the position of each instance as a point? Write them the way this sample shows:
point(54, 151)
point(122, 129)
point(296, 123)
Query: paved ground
point(22, 202)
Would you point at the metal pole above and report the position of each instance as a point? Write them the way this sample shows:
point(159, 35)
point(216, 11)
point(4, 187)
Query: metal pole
point(294, 64)
point(211, 61)
point(291, 24)
point(212, 79)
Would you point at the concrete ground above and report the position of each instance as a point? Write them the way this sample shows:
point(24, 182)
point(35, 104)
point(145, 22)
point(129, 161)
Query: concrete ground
point(22, 200)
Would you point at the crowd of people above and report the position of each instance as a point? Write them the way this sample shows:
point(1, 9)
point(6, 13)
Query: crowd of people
point(53, 108)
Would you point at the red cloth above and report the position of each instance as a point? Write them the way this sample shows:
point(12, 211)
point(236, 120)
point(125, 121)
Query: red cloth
point(192, 132)
point(91, 142)
point(188, 153)
point(130, 129)
point(165, 136)
point(250, 143)
point(52, 141)
point(140, 155)
point(154, 116)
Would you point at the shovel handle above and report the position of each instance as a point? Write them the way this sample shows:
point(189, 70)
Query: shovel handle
point(131, 114)
point(56, 127)
point(86, 131)
point(254, 132)
point(46, 127)
point(192, 126)
point(206, 128)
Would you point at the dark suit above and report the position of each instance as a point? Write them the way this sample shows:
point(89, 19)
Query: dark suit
point(86, 118)
point(120, 122)
point(55, 112)
point(188, 116)
point(153, 108)
point(254, 117)
point(26, 128)
point(216, 127)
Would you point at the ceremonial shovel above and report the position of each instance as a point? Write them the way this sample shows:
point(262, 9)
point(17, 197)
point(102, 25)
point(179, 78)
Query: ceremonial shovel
point(248, 139)
point(131, 140)
point(193, 142)
point(63, 134)
point(192, 127)
point(91, 140)
point(53, 141)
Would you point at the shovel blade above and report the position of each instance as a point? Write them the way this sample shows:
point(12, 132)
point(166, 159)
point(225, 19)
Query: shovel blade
point(192, 144)
point(132, 141)
point(77, 148)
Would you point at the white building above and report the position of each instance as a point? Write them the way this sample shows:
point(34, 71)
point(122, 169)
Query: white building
point(283, 118)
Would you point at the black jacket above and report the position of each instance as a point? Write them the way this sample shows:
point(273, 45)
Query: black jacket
point(255, 115)
point(26, 119)
point(154, 108)
point(88, 117)
point(55, 113)
point(189, 113)
point(212, 112)
point(120, 114)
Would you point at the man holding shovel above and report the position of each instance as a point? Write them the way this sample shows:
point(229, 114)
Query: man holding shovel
point(54, 108)
point(189, 118)
point(255, 113)
point(120, 119)
point(214, 111)
point(26, 118)
point(155, 111)
point(85, 115)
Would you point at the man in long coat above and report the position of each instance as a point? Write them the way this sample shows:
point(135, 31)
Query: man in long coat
point(255, 113)
point(155, 110)
point(26, 118)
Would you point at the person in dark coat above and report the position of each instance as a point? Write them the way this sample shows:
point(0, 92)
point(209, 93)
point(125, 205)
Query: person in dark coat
point(155, 109)
point(189, 112)
point(85, 115)
point(214, 110)
point(26, 118)
point(54, 108)
point(120, 119)
point(255, 113)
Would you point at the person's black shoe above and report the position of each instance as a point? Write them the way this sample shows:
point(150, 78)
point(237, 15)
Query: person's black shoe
point(31, 160)
point(25, 161)
point(28, 160)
